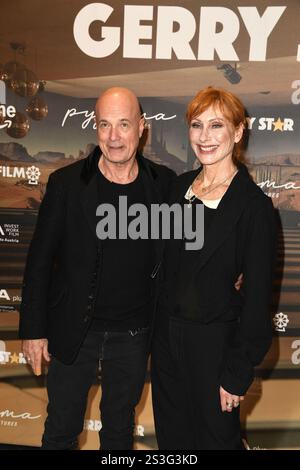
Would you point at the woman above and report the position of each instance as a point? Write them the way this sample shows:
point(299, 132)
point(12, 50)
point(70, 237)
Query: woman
point(209, 334)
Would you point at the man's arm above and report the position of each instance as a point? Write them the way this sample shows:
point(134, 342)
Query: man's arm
point(39, 264)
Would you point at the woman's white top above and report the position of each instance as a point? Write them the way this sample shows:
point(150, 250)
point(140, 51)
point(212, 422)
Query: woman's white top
point(211, 203)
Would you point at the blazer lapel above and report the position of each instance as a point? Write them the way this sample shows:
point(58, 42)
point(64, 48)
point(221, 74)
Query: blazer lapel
point(230, 209)
point(153, 196)
point(89, 203)
point(179, 191)
point(89, 195)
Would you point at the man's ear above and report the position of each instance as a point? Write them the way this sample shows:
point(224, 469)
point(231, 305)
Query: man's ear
point(141, 126)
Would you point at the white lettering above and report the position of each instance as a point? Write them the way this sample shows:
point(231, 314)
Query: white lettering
point(134, 31)
point(250, 122)
point(90, 116)
point(296, 94)
point(265, 123)
point(288, 124)
point(296, 354)
point(15, 172)
point(260, 28)
point(272, 184)
point(4, 294)
point(168, 40)
point(175, 28)
point(111, 35)
point(159, 117)
point(4, 356)
point(11, 414)
point(73, 112)
point(211, 41)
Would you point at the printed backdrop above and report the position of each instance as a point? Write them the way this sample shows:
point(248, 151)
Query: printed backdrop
point(165, 51)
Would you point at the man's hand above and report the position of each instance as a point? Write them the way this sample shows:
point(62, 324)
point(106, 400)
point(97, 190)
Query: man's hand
point(229, 401)
point(239, 282)
point(34, 350)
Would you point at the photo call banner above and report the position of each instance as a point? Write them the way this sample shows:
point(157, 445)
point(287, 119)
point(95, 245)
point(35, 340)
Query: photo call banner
point(56, 57)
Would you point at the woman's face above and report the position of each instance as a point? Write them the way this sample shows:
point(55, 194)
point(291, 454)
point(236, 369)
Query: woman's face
point(213, 137)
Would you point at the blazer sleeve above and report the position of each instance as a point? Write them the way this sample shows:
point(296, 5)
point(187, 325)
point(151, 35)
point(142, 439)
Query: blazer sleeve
point(254, 333)
point(39, 263)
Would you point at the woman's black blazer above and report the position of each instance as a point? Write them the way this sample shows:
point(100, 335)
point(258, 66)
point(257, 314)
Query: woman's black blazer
point(240, 239)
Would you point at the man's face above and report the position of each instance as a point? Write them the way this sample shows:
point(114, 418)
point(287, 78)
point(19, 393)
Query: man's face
point(119, 127)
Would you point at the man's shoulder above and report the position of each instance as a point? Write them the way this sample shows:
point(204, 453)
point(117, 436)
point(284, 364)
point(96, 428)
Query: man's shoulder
point(73, 170)
point(161, 170)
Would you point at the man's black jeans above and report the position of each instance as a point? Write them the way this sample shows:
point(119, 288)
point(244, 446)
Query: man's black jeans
point(123, 359)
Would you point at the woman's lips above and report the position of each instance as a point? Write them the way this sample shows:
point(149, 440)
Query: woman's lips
point(207, 148)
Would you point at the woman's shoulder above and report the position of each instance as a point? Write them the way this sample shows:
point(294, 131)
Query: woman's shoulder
point(257, 197)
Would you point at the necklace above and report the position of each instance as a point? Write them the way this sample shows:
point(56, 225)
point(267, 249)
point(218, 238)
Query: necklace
point(191, 196)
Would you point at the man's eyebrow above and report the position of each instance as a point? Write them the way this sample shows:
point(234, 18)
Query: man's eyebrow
point(121, 119)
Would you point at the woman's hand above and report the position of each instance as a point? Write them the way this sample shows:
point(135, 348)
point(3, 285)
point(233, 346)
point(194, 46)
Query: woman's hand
point(35, 350)
point(229, 401)
point(239, 282)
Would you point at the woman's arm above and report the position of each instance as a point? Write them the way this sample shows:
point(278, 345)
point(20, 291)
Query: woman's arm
point(254, 333)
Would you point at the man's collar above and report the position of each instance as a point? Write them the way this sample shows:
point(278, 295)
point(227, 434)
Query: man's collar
point(91, 162)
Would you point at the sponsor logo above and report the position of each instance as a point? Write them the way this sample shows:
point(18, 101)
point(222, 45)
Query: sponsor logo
point(89, 117)
point(4, 294)
point(10, 418)
point(96, 425)
point(176, 27)
point(7, 357)
point(32, 173)
point(280, 321)
point(271, 124)
point(272, 184)
point(295, 358)
point(9, 233)
point(6, 112)
point(295, 98)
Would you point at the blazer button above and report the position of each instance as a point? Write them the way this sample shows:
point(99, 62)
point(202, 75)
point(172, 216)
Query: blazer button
point(91, 296)
point(86, 319)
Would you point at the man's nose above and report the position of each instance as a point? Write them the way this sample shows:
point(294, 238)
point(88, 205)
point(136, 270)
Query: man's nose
point(114, 133)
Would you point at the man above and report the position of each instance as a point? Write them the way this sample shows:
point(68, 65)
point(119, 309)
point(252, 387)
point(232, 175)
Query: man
point(89, 303)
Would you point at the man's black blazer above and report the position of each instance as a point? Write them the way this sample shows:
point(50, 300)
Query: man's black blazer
point(63, 261)
point(241, 239)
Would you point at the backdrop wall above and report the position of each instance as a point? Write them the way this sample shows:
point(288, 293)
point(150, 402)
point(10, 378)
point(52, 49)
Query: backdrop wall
point(165, 51)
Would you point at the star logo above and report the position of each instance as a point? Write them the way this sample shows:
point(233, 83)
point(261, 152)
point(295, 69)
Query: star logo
point(14, 358)
point(278, 125)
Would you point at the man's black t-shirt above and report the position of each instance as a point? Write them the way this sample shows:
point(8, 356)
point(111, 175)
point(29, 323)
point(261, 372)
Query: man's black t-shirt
point(124, 298)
